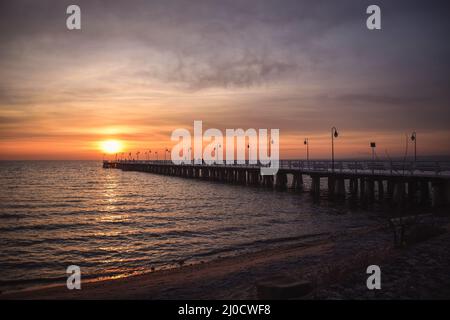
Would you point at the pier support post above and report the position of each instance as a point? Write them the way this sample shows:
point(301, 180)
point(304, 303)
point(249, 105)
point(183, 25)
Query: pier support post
point(235, 175)
point(438, 194)
point(390, 190)
point(354, 187)
point(264, 181)
point(331, 185)
point(281, 181)
point(424, 192)
point(231, 175)
point(340, 188)
point(399, 193)
point(315, 186)
point(249, 177)
point(412, 189)
point(370, 190)
point(362, 189)
point(380, 190)
point(297, 181)
point(242, 177)
point(254, 177)
point(270, 179)
point(447, 192)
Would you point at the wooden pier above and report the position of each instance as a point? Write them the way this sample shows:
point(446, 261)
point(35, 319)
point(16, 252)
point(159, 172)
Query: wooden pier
point(398, 183)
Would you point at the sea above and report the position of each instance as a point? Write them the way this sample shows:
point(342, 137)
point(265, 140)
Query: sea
point(113, 223)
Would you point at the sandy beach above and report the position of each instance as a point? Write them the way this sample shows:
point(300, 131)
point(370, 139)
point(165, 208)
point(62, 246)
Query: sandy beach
point(333, 264)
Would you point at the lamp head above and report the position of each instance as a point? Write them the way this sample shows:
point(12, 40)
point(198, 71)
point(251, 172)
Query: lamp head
point(335, 133)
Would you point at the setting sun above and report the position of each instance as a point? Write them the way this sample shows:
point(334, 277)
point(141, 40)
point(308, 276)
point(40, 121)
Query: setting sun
point(111, 146)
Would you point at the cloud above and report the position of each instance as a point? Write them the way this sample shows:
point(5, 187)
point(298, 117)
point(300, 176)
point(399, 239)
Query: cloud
point(300, 66)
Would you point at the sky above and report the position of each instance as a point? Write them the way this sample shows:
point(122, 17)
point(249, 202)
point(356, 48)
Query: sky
point(137, 70)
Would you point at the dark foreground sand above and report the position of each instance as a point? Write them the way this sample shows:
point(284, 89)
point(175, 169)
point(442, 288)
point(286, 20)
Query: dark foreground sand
point(334, 264)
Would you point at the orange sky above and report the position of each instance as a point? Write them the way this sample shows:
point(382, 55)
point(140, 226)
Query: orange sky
point(138, 72)
point(87, 145)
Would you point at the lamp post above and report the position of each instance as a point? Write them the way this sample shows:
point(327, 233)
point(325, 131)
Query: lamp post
point(218, 146)
point(306, 143)
point(334, 134)
point(165, 151)
point(271, 145)
point(156, 152)
point(373, 146)
point(414, 139)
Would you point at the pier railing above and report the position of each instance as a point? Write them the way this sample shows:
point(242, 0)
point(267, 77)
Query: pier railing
point(367, 167)
point(372, 167)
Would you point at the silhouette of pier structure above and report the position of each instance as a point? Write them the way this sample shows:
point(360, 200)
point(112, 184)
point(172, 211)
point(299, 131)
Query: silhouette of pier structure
point(399, 183)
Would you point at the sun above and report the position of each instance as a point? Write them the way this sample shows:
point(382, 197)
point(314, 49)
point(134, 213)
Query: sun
point(111, 146)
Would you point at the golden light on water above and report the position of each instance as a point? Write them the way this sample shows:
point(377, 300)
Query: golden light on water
point(111, 146)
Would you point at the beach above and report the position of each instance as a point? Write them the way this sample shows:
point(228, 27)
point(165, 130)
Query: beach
point(334, 265)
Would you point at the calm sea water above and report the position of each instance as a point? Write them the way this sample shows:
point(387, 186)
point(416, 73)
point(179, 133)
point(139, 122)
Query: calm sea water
point(113, 223)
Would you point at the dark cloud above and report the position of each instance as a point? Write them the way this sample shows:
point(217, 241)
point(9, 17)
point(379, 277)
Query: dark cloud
point(240, 43)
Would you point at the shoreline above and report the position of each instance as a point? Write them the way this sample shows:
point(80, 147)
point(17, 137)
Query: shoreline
point(328, 264)
point(232, 271)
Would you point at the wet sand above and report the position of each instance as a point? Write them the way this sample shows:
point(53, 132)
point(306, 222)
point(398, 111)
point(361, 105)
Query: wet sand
point(334, 262)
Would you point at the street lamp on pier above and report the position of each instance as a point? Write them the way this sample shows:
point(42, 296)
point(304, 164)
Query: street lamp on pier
point(306, 143)
point(414, 139)
point(373, 145)
point(334, 134)
point(165, 151)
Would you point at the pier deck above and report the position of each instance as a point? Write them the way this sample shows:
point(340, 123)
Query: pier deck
point(399, 182)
